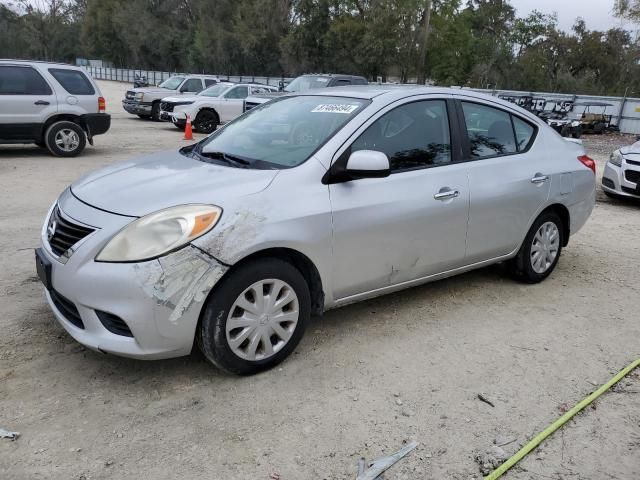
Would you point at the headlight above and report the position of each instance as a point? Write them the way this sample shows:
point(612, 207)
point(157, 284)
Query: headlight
point(139, 96)
point(616, 158)
point(158, 233)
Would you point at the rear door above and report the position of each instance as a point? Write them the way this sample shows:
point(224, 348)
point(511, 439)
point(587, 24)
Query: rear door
point(77, 92)
point(26, 101)
point(232, 103)
point(412, 224)
point(509, 178)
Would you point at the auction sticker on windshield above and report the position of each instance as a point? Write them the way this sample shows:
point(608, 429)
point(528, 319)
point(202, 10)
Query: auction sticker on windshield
point(334, 108)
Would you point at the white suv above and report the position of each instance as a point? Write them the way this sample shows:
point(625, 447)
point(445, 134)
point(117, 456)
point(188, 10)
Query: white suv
point(53, 105)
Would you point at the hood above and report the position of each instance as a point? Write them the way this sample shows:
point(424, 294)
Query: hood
point(182, 98)
point(150, 90)
point(633, 149)
point(163, 180)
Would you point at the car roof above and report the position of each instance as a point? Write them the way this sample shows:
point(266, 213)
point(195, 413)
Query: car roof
point(391, 93)
point(40, 62)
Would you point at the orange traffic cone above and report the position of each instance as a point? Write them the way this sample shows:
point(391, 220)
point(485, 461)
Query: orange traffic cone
point(188, 132)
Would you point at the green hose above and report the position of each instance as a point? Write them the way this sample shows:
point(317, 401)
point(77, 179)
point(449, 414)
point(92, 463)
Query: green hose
point(559, 423)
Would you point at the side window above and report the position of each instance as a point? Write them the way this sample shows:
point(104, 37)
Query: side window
point(260, 90)
point(237, 92)
point(341, 82)
point(73, 81)
point(359, 81)
point(22, 81)
point(191, 85)
point(209, 81)
point(524, 132)
point(489, 129)
point(415, 135)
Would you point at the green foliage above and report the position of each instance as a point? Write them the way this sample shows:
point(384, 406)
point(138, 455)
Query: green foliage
point(479, 43)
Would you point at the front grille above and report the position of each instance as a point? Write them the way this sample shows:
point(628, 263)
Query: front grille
point(114, 324)
point(632, 176)
point(631, 191)
point(67, 309)
point(632, 162)
point(63, 234)
point(166, 106)
point(607, 182)
point(130, 95)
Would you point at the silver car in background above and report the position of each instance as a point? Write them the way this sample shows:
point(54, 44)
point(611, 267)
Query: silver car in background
point(309, 202)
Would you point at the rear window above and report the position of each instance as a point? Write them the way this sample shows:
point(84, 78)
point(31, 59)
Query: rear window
point(73, 81)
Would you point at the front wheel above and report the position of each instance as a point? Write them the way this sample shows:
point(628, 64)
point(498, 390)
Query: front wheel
point(155, 111)
point(206, 121)
point(255, 317)
point(540, 251)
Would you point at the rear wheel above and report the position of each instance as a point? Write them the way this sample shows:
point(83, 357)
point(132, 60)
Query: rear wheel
point(540, 251)
point(65, 139)
point(206, 121)
point(255, 317)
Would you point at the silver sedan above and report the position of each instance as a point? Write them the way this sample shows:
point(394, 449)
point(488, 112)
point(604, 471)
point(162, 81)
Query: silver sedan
point(306, 203)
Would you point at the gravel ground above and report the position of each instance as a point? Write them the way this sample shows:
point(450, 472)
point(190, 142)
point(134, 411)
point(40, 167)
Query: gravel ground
point(366, 378)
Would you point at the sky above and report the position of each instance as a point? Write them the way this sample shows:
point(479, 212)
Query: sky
point(596, 13)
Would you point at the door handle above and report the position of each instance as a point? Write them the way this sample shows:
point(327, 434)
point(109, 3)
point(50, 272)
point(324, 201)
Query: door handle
point(539, 178)
point(446, 194)
point(41, 102)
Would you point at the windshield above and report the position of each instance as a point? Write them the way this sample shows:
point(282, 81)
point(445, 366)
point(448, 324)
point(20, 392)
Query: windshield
point(281, 133)
point(307, 83)
point(215, 90)
point(171, 83)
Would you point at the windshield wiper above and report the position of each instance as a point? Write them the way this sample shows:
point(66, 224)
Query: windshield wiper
point(225, 157)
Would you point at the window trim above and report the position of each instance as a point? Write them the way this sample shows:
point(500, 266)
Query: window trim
point(54, 69)
point(51, 90)
point(339, 162)
point(465, 134)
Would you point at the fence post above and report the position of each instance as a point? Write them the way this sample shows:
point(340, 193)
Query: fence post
point(622, 103)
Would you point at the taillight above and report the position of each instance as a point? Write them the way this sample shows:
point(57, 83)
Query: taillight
point(102, 105)
point(588, 162)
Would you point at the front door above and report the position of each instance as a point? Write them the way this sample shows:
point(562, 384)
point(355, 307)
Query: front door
point(411, 224)
point(233, 103)
point(26, 101)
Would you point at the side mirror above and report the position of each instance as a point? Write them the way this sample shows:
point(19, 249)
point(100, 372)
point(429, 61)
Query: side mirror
point(368, 164)
point(360, 164)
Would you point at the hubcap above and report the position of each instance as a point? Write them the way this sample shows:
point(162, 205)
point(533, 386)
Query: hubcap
point(262, 319)
point(67, 140)
point(545, 246)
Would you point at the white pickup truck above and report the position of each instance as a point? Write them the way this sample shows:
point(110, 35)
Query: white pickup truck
point(218, 104)
point(145, 101)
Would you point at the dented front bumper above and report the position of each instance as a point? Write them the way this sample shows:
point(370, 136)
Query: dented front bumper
point(159, 301)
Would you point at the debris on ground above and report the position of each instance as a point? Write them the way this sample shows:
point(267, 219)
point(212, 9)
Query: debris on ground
point(381, 465)
point(491, 459)
point(501, 440)
point(7, 434)
point(274, 476)
point(484, 399)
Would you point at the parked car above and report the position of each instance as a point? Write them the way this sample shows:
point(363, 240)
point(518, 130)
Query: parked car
point(145, 101)
point(218, 104)
point(54, 105)
point(621, 177)
point(307, 82)
point(306, 203)
point(593, 118)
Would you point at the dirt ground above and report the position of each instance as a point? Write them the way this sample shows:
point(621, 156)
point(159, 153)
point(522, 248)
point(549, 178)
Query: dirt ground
point(366, 378)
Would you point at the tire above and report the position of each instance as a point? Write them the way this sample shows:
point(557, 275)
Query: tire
point(523, 266)
point(215, 331)
point(577, 132)
point(206, 121)
point(65, 139)
point(144, 117)
point(565, 131)
point(155, 111)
